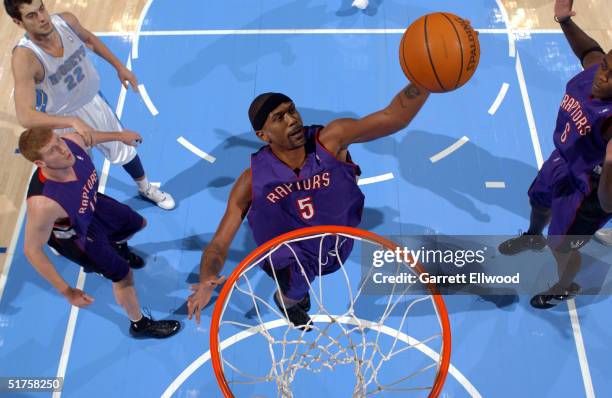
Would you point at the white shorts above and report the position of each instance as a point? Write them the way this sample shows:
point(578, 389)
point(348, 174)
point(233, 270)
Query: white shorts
point(99, 115)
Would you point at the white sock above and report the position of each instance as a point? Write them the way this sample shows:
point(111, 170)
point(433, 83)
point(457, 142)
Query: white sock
point(134, 321)
point(143, 184)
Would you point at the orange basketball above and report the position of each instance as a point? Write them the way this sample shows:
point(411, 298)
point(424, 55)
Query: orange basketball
point(439, 51)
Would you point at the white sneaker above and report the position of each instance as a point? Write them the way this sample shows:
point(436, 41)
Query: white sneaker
point(604, 236)
point(159, 197)
point(361, 4)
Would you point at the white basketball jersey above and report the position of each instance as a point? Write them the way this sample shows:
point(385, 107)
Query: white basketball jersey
point(71, 80)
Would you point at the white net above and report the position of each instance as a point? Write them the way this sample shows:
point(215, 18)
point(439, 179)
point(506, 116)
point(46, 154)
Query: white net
point(358, 343)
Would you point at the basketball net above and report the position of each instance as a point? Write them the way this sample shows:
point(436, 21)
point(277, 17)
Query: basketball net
point(337, 338)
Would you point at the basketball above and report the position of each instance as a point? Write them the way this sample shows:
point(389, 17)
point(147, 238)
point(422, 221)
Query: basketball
point(439, 51)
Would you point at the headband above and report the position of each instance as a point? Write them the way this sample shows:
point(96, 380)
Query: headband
point(274, 100)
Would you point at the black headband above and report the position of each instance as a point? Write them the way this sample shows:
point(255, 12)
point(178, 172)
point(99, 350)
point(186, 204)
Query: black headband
point(268, 106)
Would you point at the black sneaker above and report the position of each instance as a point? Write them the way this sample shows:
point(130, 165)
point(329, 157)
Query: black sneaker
point(136, 262)
point(546, 300)
point(151, 328)
point(296, 314)
point(521, 243)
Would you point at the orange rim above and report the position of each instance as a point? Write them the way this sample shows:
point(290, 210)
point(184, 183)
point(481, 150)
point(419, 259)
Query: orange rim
point(299, 233)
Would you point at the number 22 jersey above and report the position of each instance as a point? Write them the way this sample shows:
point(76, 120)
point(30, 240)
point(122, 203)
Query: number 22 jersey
point(70, 81)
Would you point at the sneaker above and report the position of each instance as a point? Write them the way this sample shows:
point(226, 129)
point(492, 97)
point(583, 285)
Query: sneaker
point(154, 329)
point(361, 4)
point(159, 197)
point(604, 236)
point(296, 315)
point(136, 262)
point(546, 300)
point(521, 243)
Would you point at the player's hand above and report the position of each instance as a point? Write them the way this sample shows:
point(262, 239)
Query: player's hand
point(77, 297)
point(127, 77)
point(130, 137)
point(201, 296)
point(84, 131)
point(563, 9)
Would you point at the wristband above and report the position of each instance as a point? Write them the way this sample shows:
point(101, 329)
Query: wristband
point(562, 21)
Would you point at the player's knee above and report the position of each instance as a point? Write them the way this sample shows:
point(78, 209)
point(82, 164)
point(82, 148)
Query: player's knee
point(127, 280)
point(144, 223)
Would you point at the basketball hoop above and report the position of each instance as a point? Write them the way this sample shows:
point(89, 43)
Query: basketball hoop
point(369, 345)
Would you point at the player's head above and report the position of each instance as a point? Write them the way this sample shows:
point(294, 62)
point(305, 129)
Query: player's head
point(44, 148)
point(602, 83)
point(276, 121)
point(31, 15)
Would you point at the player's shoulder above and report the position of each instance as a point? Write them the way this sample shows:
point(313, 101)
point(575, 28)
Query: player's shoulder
point(23, 56)
point(43, 207)
point(593, 58)
point(245, 177)
point(69, 18)
point(242, 189)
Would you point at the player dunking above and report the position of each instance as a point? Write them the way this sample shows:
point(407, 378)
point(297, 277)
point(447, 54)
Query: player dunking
point(304, 176)
point(573, 189)
point(57, 86)
point(66, 211)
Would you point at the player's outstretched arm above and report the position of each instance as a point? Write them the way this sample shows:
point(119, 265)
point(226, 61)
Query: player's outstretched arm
point(340, 133)
point(604, 191)
point(128, 137)
point(586, 49)
point(214, 255)
point(42, 213)
point(96, 45)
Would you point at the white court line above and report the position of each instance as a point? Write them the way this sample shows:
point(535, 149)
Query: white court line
point(500, 97)
point(183, 141)
point(74, 310)
point(495, 184)
point(147, 100)
point(511, 40)
point(571, 304)
point(188, 371)
point(224, 32)
point(444, 153)
point(10, 251)
point(136, 36)
point(535, 141)
point(122, 93)
point(372, 180)
point(584, 364)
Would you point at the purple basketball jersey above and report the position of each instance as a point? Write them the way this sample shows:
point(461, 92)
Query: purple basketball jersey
point(324, 192)
point(578, 135)
point(78, 198)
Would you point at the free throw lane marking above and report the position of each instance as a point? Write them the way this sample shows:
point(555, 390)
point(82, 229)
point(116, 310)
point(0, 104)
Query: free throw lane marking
point(183, 141)
point(444, 153)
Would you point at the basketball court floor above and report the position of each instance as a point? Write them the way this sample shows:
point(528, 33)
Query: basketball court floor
point(201, 66)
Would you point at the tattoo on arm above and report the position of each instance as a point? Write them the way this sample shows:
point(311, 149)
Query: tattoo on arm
point(410, 93)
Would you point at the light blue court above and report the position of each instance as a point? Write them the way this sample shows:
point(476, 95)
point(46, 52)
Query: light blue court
point(201, 81)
